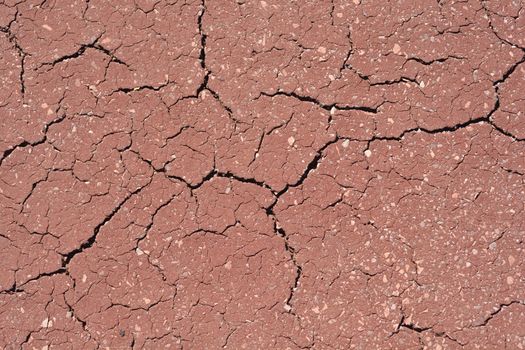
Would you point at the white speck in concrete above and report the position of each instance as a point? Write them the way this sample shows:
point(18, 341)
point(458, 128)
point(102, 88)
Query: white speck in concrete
point(396, 49)
point(512, 260)
point(45, 323)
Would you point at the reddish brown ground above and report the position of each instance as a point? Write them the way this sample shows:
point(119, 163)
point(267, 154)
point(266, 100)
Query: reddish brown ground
point(262, 174)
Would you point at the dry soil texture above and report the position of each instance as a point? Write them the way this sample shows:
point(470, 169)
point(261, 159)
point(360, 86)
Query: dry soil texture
point(268, 174)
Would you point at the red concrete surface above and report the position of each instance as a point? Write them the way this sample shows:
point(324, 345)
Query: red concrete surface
point(273, 174)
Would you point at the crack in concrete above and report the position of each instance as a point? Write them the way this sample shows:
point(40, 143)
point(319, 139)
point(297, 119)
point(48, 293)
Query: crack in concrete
point(88, 243)
point(25, 144)
point(499, 309)
point(207, 71)
point(312, 165)
point(421, 330)
point(94, 44)
point(494, 31)
point(21, 53)
point(327, 107)
point(92, 239)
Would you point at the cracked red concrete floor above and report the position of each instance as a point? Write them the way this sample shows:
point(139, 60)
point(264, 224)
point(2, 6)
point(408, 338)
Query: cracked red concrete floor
point(262, 174)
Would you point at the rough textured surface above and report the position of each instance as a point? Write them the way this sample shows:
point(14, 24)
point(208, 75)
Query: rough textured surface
point(262, 174)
